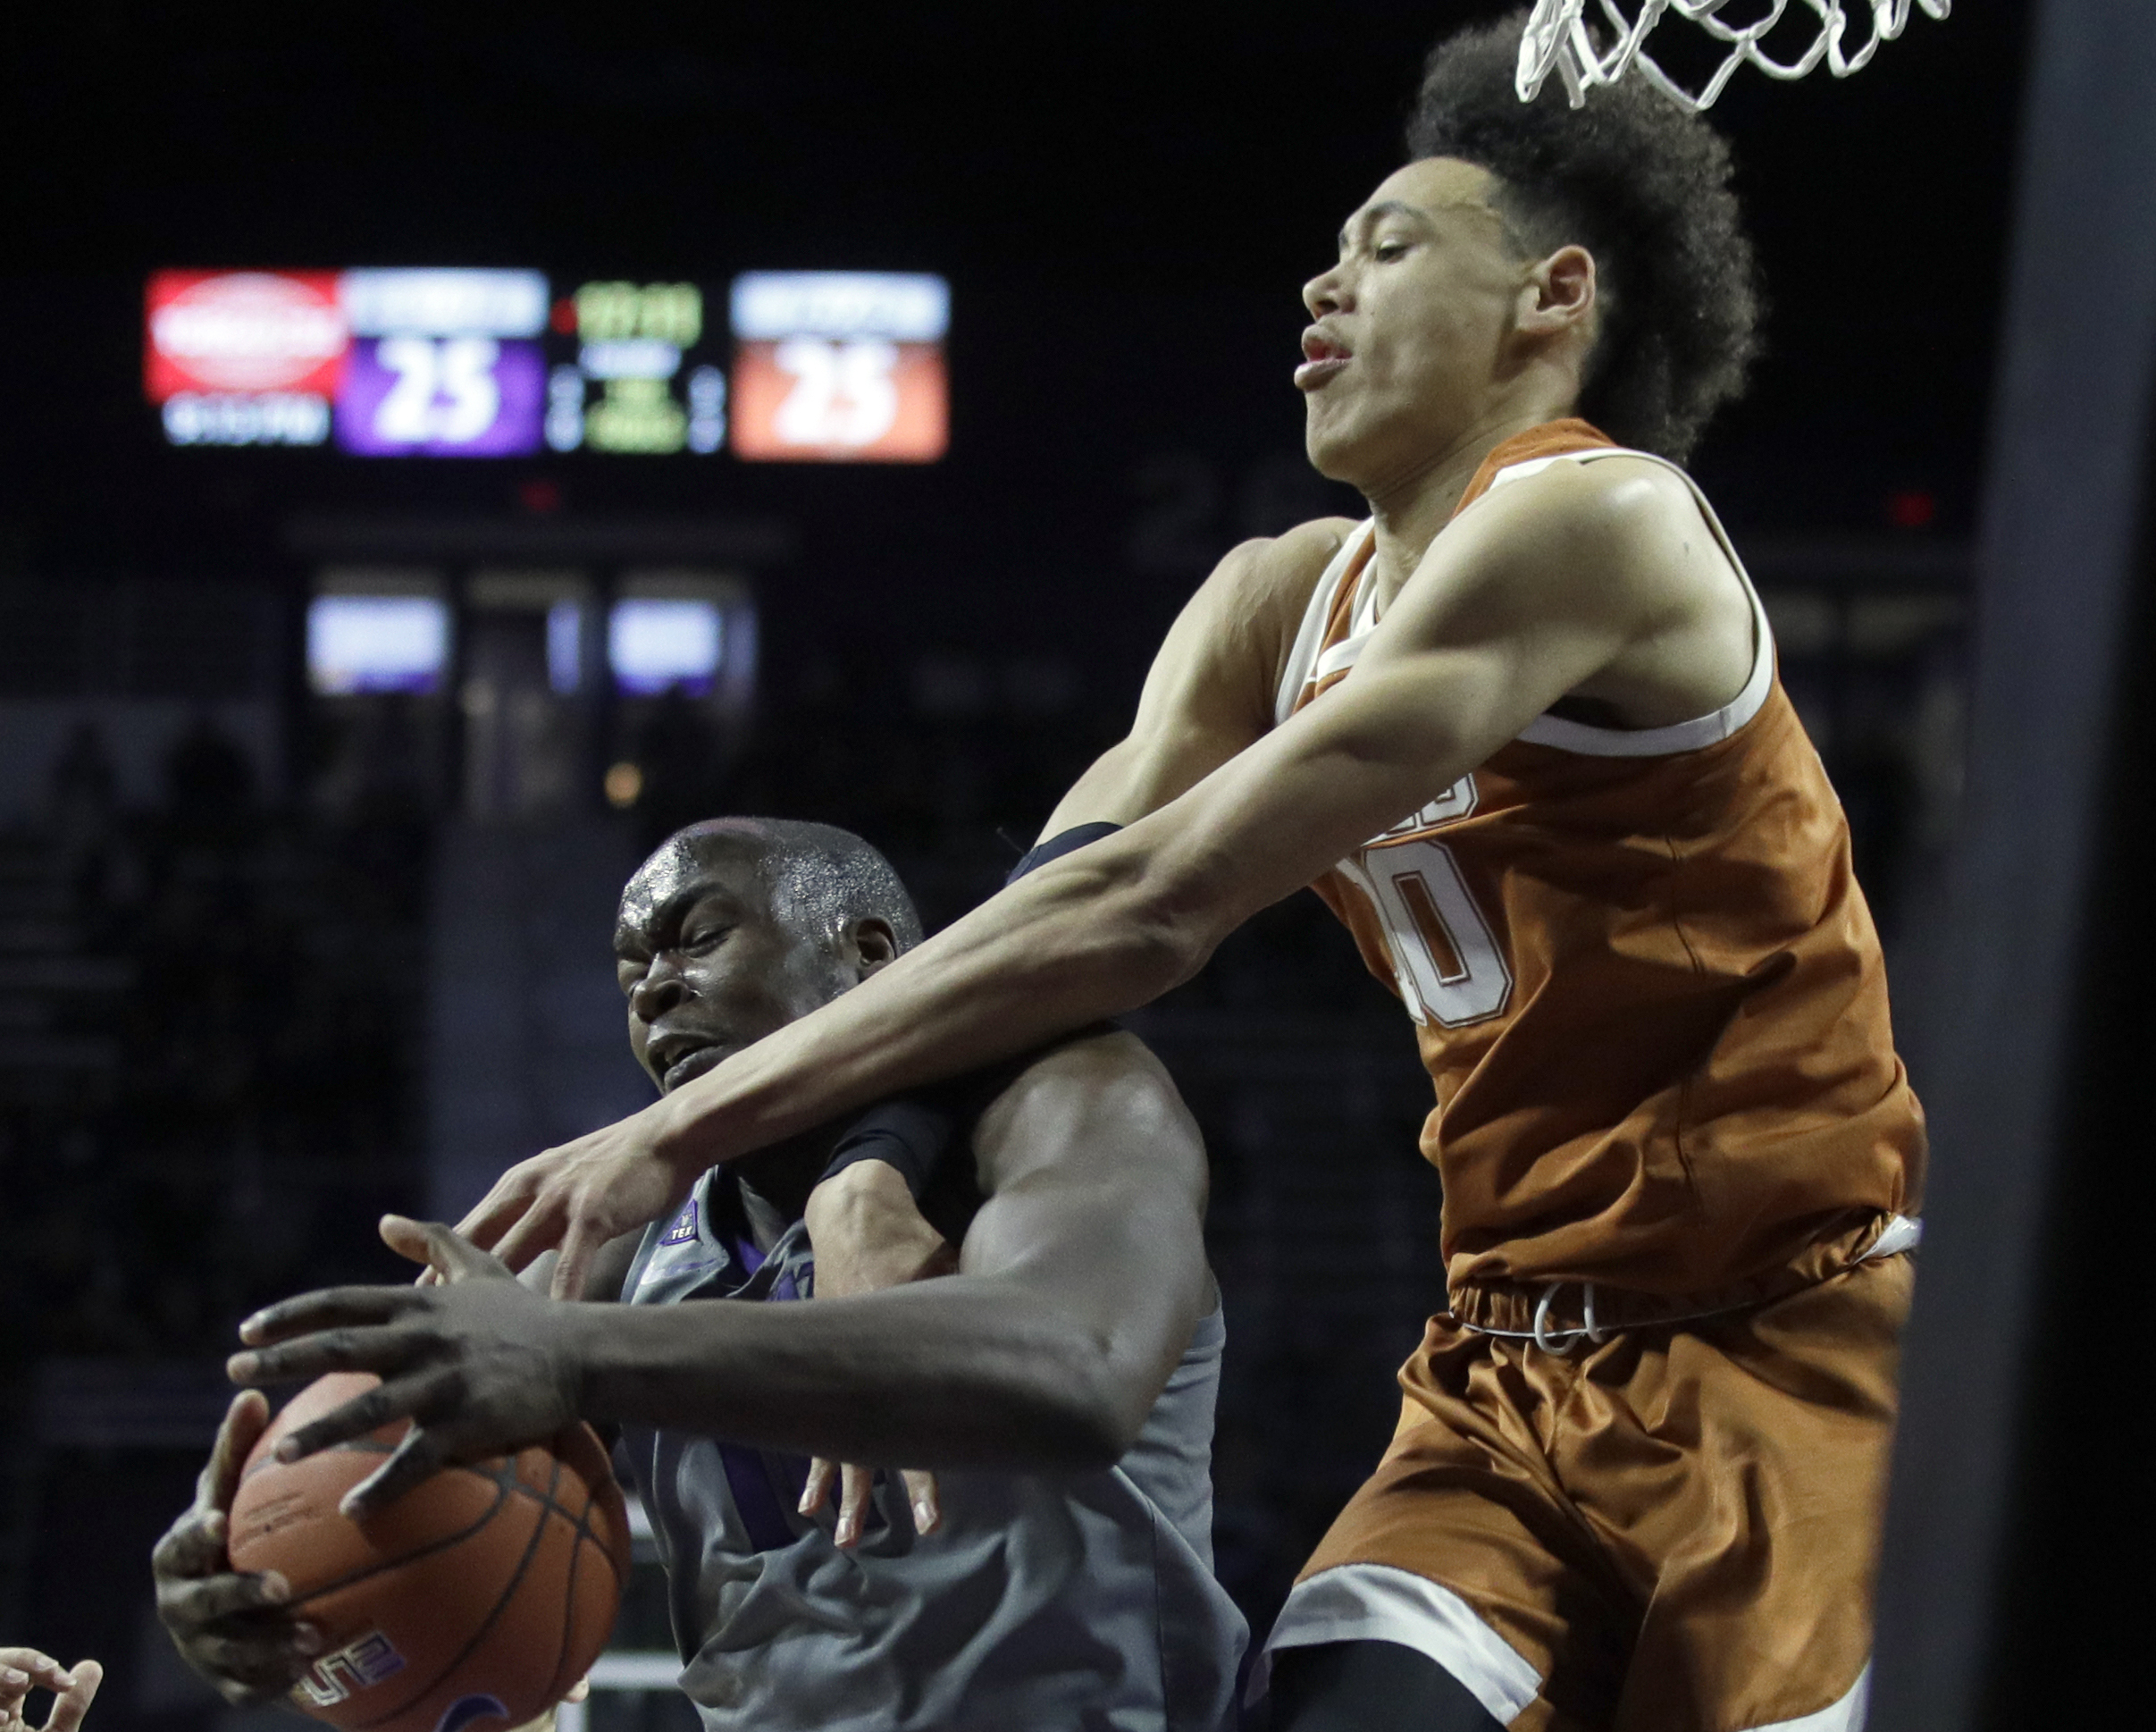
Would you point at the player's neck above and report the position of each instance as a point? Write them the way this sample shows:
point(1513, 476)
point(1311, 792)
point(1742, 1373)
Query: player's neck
point(779, 1179)
point(1412, 508)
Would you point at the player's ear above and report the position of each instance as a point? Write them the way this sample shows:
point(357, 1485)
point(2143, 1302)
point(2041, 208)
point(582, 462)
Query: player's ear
point(1560, 292)
point(867, 943)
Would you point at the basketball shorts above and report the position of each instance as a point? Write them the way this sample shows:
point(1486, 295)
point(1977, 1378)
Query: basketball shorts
point(1675, 1529)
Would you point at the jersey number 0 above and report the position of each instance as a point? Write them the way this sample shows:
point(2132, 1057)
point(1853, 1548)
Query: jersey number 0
point(1447, 963)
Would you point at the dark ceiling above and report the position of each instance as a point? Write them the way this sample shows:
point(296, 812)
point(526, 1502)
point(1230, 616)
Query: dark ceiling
point(1126, 200)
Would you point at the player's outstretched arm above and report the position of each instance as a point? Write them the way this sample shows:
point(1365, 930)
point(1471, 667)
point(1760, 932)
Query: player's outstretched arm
point(1208, 695)
point(1531, 594)
point(1210, 691)
point(1080, 1280)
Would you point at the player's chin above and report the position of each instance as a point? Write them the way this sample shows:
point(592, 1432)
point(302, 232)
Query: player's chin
point(1330, 445)
point(692, 1064)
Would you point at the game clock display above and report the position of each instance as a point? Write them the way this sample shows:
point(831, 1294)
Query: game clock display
point(821, 366)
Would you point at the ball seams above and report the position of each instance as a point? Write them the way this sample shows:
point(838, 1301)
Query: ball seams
point(509, 1593)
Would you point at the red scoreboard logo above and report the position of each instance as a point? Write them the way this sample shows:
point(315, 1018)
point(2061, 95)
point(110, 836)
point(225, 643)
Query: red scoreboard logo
point(244, 330)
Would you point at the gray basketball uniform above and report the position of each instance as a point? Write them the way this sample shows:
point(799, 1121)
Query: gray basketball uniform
point(1043, 1603)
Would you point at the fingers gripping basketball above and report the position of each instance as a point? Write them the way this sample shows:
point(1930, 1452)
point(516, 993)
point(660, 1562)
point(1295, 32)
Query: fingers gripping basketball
point(476, 1601)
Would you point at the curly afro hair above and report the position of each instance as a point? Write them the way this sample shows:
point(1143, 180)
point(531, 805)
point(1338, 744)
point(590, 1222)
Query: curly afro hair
point(1642, 184)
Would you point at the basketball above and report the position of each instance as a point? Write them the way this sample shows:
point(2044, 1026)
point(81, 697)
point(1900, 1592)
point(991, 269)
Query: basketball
point(476, 1601)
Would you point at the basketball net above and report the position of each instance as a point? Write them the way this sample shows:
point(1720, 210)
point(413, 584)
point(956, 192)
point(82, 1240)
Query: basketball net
point(1559, 36)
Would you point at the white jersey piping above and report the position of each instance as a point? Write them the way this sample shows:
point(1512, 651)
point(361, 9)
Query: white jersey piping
point(1300, 669)
point(1376, 1602)
point(1305, 663)
point(1845, 1715)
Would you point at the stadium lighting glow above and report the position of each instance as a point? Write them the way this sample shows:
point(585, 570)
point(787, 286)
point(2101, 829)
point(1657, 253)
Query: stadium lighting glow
point(377, 644)
point(656, 644)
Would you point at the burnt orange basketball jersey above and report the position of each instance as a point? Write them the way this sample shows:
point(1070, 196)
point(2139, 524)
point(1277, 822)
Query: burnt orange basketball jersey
point(1646, 984)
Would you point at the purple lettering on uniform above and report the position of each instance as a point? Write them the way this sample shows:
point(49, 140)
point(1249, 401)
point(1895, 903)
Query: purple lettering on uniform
point(683, 1230)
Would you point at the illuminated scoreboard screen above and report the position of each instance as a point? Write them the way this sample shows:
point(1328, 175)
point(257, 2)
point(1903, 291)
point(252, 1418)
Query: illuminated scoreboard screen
point(781, 366)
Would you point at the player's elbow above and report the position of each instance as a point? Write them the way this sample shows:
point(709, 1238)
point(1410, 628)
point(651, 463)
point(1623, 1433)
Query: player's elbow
point(1092, 1416)
point(1162, 946)
point(1086, 1442)
point(1075, 1398)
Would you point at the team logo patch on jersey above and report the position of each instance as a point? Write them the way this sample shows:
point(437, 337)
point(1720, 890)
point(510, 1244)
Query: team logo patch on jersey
point(683, 1230)
point(349, 1670)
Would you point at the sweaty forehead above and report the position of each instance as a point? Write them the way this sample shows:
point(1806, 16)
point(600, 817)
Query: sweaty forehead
point(684, 869)
point(1435, 185)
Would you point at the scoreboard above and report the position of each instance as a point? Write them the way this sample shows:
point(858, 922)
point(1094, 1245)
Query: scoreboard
point(785, 367)
point(839, 366)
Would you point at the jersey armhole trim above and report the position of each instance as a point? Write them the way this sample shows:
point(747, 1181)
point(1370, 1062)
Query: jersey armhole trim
point(1303, 654)
point(1706, 730)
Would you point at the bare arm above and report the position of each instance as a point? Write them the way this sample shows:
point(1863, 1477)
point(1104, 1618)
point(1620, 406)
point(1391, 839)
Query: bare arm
point(1540, 591)
point(1080, 1280)
point(1210, 691)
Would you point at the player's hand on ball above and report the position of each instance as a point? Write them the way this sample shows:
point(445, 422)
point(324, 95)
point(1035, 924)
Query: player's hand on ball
point(478, 1363)
point(867, 1236)
point(24, 1670)
point(230, 1628)
point(578, 1196)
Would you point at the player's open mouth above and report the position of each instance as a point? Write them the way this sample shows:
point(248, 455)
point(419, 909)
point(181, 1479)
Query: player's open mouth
point(1324, 355)
point(679, 1058)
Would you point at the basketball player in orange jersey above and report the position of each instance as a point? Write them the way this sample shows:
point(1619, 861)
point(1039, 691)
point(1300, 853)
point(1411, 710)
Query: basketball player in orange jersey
point(1521, 729)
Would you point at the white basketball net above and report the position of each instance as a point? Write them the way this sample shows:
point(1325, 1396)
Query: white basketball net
point(1558, 35)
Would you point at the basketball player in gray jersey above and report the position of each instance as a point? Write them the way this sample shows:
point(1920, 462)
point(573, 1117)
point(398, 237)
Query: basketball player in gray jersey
point(1063, 1380)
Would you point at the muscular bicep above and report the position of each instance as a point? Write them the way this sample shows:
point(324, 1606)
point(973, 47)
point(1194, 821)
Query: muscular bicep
point(1210, 691)
point(1095, 1176)
point(1511, 612)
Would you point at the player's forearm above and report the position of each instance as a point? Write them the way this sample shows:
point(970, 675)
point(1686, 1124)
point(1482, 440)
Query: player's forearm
point(962, 1372)
point(1114, 925)
point(1083, 939)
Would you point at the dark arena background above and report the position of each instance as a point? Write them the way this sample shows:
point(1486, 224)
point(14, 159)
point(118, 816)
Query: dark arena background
point(328, 731)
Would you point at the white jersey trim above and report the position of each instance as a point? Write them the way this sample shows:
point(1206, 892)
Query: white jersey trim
point(1376, 1602)
point(1305, 663)
point(1846, 1715)
point(1301, 659)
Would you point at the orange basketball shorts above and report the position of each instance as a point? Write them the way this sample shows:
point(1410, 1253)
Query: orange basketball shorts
point(1676, 1529)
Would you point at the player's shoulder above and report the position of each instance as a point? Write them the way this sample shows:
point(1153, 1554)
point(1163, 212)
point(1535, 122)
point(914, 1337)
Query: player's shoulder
point(1098, 1068)
point(1249, 610)
point(1625, 525)
point(1620, 499)
point(1098, 1053)
point(1281, 571)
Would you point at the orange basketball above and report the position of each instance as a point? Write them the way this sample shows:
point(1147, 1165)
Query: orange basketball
point(475, 1600)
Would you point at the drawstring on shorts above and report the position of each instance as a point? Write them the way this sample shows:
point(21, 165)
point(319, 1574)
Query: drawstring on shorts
point(1560, 1341)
